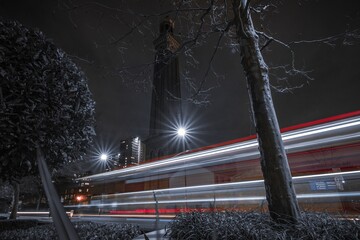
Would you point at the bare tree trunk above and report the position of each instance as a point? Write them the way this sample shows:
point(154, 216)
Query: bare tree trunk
point(15, 202)
point(64, 227)
point(280, 192)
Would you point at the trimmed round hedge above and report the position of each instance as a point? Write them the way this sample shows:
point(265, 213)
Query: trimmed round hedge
point(44, 101)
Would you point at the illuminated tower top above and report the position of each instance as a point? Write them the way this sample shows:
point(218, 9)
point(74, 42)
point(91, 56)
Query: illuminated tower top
point(166, 40)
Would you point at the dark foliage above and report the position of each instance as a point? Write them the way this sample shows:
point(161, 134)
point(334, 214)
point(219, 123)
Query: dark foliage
point(6, 192)
point(86, 231)
point(256, 226)
point(9, 225)
point(44, 100)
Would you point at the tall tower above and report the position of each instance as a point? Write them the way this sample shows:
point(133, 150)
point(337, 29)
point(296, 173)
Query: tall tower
point(166, 94)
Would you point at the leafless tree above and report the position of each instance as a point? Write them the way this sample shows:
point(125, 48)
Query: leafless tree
point(224, 23)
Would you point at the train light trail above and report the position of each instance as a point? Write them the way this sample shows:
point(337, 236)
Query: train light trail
point(321, 135)
point(323, 158)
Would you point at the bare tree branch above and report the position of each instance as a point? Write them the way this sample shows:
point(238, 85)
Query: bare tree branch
point(212, 57)
point(133, 28)
point(354, 34)
point(81, 59)
point(288, 69)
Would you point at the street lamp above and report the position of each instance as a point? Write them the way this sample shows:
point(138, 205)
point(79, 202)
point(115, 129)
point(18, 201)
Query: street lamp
point(103, 157)
point(181, 132)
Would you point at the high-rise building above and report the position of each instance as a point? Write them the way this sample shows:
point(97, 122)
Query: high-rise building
point(166, 93)
point(132, 152)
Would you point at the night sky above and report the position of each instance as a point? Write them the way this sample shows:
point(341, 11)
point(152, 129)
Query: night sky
point(87, 30)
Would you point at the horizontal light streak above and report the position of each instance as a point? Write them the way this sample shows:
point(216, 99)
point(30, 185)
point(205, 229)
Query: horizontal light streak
point(322, 129)
point(242, 146)
point(220, 200)
point(222, 186)
point(36, 213)
point(171, 161)
point(29, 213)
point(215, 188)
point(125, 216)
point(211, 186)
point(328, 175)
point(323, 135)
point(328, 195)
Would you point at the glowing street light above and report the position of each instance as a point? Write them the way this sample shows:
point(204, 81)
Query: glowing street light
point(181, 132)
point(103, 157)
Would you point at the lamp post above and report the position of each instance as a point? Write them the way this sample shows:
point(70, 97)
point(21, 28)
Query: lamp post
point(105, 161)
point(181, 132)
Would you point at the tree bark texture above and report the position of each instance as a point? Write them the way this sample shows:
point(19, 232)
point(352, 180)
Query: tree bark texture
point(280, 192)
point(15, 201)
point(63, 225)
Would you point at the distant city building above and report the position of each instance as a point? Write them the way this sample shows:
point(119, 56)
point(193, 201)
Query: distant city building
point(132, 152)
point(166, 93)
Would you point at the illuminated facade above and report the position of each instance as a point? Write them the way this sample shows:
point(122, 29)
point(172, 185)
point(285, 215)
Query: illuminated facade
point(132, 152)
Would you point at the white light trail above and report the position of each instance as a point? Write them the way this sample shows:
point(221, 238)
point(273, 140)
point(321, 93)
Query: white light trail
point(220, 200)
point(221, 185)
point(251, 145)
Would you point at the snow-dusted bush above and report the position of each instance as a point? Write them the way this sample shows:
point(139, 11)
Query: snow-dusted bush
point(44, 100)
point(9, 225)
point(257, 226)
point(85, 230)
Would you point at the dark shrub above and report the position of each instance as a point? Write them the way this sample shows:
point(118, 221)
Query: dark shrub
point(256, 226)
point(8, 225)
point(85, 230)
